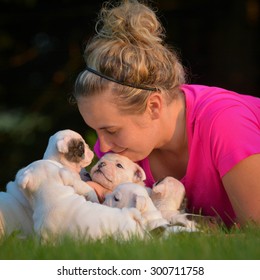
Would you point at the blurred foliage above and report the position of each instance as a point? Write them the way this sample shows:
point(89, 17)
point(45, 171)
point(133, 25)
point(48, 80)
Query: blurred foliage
point(41, 47)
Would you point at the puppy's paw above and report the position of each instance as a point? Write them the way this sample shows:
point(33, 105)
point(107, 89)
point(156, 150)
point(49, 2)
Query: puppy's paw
point(91, 196)
point(184, 220)
point(135, 214)
point(84, 175)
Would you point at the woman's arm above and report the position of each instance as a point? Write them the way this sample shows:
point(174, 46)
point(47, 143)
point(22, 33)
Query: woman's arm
point(99, 189)
point(242, 184)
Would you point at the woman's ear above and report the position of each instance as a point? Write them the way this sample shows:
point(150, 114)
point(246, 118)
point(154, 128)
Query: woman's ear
point(154, 105)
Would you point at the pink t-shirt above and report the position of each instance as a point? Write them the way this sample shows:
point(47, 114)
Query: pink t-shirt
point(223, 128)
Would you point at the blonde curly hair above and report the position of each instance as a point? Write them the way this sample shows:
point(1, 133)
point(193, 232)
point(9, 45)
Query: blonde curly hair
point(129, 47)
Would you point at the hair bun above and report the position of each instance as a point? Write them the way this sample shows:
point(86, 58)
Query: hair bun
point(130, 22)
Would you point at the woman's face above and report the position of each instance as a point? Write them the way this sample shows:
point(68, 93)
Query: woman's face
point(131, 135)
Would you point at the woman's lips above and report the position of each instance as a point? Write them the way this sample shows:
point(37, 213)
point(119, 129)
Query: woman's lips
point(120, 152)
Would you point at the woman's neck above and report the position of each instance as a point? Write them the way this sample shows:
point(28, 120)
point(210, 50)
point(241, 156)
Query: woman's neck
point(170, 158)
point(174, 127)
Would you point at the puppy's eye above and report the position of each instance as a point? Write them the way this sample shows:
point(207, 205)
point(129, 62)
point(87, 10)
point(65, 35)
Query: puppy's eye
point(158, 182)
point(119, 165)
point(116, 198)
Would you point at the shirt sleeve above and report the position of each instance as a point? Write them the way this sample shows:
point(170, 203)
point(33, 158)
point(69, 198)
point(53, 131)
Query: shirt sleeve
point(234, 136)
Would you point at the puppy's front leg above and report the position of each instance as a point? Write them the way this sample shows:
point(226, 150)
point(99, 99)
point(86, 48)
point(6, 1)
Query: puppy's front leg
point(183, 220)
point(80, 187)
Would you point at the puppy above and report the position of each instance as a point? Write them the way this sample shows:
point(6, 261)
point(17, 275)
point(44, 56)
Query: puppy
point(66, 148)
point(70, 149)
point(112, 170)
point(59, 211)
point(15, 212)
point(134, 195)
point(168, 196)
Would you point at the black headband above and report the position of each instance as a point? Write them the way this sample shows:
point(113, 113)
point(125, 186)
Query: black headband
point(119, 82)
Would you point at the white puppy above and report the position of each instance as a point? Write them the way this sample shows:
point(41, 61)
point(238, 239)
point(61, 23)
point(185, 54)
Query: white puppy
point(112, 170)
point(135, 195)
point(168, 196)
point(59, 211)
point(70, 149)
point(15, 212)
point(66, 148)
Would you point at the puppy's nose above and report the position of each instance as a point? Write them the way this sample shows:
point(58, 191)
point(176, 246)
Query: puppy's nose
point(101, 164)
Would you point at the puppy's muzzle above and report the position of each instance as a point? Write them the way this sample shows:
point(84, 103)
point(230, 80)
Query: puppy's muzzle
point(101, 164)
point(99, 170)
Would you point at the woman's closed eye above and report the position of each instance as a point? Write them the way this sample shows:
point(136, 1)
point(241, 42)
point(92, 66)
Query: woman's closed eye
point(111, 131)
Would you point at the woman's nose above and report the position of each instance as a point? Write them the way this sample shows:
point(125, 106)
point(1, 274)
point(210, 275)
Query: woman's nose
point(105, 146)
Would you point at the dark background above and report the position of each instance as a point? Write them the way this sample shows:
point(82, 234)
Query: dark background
point(41, 47)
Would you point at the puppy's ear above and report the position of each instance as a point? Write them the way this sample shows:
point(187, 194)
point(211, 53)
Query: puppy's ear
point(62, 145)
point(140, 203)
point(139, 175)
point(24, 179)
point(160, 189)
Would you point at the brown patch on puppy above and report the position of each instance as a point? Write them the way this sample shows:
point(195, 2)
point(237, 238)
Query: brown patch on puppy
point(76, 151)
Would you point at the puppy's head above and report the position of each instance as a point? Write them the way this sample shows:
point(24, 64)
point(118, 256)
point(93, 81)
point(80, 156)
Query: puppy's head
point(113, 169)
point(168, 193)
point(128, 195)
point(36, 173)
point(69, 148)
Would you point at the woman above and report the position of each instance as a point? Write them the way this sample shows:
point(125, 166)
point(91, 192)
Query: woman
point(133, 94)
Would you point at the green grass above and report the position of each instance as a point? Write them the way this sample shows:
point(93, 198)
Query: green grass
point(213, 245)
